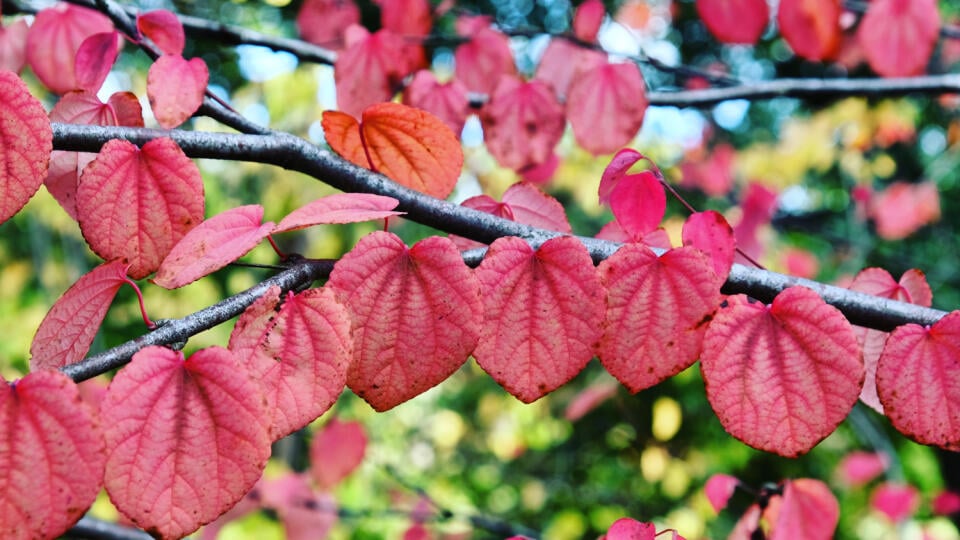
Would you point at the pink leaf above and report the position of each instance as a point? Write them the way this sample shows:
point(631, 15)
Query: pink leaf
point(946, 503)
point(587, 20)
point(898, 36)
point(447, 101)
point(337, 449)
point(748, 523)
point(859, 468)
point(781, 378)
point(590, 398)
point(340, 208)
point(95, 57)
point(82, 107)
point(522, 123)
point(638, 203)
point(719, 489)
point(323, 22)
point(136, 204)
point(606, 105)
point(735, 21)
point(480, 62)
point(212, 245)
point(416, 315)
point(808, 511)
point(631, 529)
point(523, 203)
point(53, 41)
point(896, 501)
point(175, 87)
point(811, 28)
point(51, 456)
point(918, 381)
point(563, 62)
point(902, 208)
point(68, 329)
point(26, 140)
point(164, 29)
point(300, 355)
point(710, 233)
point(712, 174)
point(305, 514)
point(543, 314)
point(369, 70)
point(913, 288)
point(406, 17)
point(657, 312)
point(657, 238)
point(13, 46)
point(616, 170)
point(185, 439)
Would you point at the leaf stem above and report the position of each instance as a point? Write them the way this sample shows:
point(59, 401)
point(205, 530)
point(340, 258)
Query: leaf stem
point(143, 308)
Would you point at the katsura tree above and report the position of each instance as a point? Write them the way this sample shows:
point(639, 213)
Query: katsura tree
point(180, 439)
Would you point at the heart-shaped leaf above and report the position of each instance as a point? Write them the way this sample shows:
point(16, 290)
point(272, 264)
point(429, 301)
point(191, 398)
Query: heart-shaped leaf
point(898, 37)
point(336, 451)
point(416, 315)
point(543, 314)
point(26, 141)
point(781, 378)
point(811, 27)
point(95, 57)
point(323, 22)
point(164, 29)
point(522, 202)
point(807, 510)
point(657, 312)
point(735, 21)
point(480, 62)
point(300, 354)
point(710, 233)
point(175, 87)
point(606, 105)
point(185, 439)
point(13, 46)
point(68, 329)
point(410, 146)
point(53, 41)
point(136, 204)
point(563, 62)
point(51, 456)
point(369, 69)
point(918, 381)
point(212, 245)
point(587, 20)
point(719, 489)
point(522, 123)
point(340, 208)
point(448, 101)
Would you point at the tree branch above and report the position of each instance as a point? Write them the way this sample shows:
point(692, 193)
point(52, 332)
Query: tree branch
point(89, 527)
point(296, 154)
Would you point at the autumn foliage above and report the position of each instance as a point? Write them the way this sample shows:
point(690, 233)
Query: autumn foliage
point(179, 440)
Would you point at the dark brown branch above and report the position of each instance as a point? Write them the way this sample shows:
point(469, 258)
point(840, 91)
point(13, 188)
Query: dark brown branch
point(92, 528)
point(296, 154)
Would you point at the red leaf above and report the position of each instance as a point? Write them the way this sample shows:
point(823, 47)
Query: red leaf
point(51, 456)
point(808, 511)
point(336, 450)
point(13, 46)
point(164, 29)
point(606, 106)
point(587, 20)
point(859, 468)
point(712, 174)
point(323, 22)
point(185, 439)
point(340, 208)
point(410, 146)
point(369, 70)
point(563, 62)
point(26, 140)
point(657, 310)
point(878, 282)
point(82, 107)
point(447, 101)
point(212, 245)
point(719, 489)
point(902, 208)
point(918, 381)
point(175, 87)
point(406, 17)
point(710, 233)
point(53, 41)
point(631, 529)
point(657, 238)
point(305, 514)
point(522, 123)
point(781, 378)
point(523, 203)
point(811, 27)
point(480, 62)
point(735, 21)
point(543, 314)
point(95, 57)
point(68, 329)
point(946, 503)
point(300, 355)
point(638, 203)
point(416, 315)
point(136, 204)
point(896, 501)
point(898, 36)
